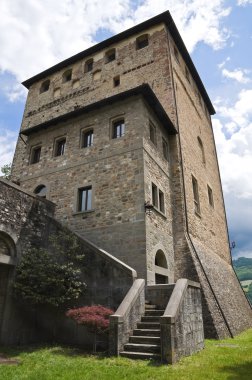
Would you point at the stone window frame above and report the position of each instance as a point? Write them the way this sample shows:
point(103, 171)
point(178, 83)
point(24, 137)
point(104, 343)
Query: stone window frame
point(113, 121)
point(40, 187)
point(83, 132)
point(9, 244)
point(158, 199)
point(110, 55)
point(196, 198)
point(210, 196)
point(142, 41)
point(33, 159)
point(89, 65)
point(67, 76)
point(78, 188)
point(45, 86)
point(57, 140)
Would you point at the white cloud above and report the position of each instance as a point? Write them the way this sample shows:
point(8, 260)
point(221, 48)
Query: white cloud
point(35, 34)
point(244, 2)
point(222, 64)
point(238, 74)
point(7, 146)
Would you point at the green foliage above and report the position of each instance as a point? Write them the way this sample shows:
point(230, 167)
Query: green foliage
point(51, 275)
point(242, 262)
point(249, 293)
point(243, 268)
point(220, 360)
point(6, 170)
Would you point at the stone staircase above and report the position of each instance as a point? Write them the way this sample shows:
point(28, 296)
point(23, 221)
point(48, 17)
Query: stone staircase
point(145, 341)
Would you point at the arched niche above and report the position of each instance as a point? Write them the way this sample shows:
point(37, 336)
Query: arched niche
point(41, 191)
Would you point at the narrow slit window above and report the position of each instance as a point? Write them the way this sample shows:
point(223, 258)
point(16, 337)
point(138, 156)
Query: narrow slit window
point(152, 130)
point(165, 149)
point(187, 74)
point(161, 201)
point(202, 151)
point(154, 191)
point(196, 195)
point(84, 199)
point(210, 196)
point(116, 81)
point(176, 54)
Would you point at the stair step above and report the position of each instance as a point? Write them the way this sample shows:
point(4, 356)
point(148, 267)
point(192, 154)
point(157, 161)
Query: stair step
point(137, 347)
point(153, 312)
point(150, 307)
point(144, 339)
point(150, 318)
point(148, 325)
point(147, 332)
point(140, 355)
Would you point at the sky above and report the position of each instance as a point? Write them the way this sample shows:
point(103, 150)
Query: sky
point(36, 34)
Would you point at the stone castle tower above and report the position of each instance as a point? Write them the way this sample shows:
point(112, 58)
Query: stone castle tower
point(119, 137)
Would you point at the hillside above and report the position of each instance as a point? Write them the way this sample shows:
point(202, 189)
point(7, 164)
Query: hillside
point(243, 268)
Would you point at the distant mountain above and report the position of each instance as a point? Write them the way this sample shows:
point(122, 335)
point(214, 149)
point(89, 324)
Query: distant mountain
point(243, 268)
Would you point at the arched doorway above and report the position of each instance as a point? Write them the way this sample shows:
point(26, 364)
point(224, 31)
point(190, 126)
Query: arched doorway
point(161, 268)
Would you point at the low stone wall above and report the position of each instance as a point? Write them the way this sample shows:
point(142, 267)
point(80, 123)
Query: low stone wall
point(182, 331)
point(28, 222)
point(125, 319)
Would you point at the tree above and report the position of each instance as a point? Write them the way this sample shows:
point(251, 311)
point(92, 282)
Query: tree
point(51, 275)
point(6, 170)
point(95, 317)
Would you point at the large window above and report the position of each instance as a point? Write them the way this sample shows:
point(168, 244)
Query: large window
point(118, 129)
point(84, 199)
point(60, 145)
point(87, 138)
point(196, 195)
point(35, 155)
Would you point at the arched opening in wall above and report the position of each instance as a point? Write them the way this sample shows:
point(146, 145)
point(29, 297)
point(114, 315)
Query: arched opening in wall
point(161, 268)
point(7, 245)
point(41, 191)
point(44, 86)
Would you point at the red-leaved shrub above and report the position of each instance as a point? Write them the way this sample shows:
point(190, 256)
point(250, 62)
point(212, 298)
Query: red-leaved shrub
point(96, 318)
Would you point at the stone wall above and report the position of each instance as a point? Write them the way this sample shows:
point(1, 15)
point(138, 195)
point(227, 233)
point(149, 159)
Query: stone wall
point(182, 331)
point(29, 222)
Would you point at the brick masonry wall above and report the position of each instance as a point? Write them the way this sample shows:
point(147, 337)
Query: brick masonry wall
point(28, 221)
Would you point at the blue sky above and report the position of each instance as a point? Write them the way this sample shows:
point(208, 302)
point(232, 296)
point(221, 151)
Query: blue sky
point(35, 34)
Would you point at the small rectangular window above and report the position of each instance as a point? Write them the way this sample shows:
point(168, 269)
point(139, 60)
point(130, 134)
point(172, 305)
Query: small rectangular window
point(152, 130)
point(87, 138)
point(60, 147)
point(154, 195)
point(142, 41)
point(110, 55)
point(210, 196)
point(118, 129)
point(35, 155)
point(196, 195)
point(165, 149)
point(84, 199)
point(116, 81)
point(161, 201)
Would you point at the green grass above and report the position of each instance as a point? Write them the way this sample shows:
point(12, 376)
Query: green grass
point(226, 359)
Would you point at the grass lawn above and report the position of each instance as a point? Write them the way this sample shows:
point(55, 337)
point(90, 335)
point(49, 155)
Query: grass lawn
point(226, 359)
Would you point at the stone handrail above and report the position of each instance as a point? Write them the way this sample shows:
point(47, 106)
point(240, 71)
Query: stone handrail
point(182, 322)
point(125, 319)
